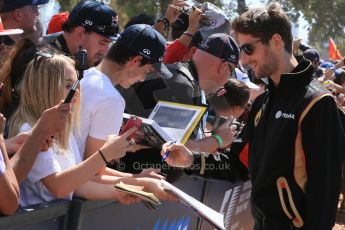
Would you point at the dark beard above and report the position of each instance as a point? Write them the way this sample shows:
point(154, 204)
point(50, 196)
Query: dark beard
point(269, 67)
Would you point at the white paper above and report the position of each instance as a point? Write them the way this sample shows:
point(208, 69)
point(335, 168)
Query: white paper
point(202, 210)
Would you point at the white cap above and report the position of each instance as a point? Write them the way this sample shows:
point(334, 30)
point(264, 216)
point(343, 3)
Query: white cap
point(216, 20)
point(243, 77)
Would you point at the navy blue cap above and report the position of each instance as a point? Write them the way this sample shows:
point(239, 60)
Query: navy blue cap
point(222, 46)
point(10, 5)
point(311, 55)
point(326, 65)
point(339, 72)
point(95, 16)
point(145, 41)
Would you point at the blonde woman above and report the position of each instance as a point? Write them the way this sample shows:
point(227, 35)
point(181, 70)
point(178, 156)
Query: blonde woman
point(59, 172)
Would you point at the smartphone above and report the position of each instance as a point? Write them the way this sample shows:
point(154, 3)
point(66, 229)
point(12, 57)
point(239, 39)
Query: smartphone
point(131, 122)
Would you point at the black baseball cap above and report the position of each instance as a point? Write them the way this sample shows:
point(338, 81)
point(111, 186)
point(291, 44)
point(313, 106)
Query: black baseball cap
point(145, 41)
point(224, 47)
point(10, 5)
point(95, 16)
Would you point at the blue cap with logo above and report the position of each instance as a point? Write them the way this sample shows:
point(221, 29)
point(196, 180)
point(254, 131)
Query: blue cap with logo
point(224, 47)
point(95, 16)
point(10, 5)
point(145, 41)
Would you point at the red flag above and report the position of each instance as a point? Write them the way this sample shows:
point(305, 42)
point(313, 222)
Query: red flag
point(334, 53)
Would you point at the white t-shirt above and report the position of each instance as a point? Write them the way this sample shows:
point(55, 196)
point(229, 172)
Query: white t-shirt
point(32, 190)
point(101, 108)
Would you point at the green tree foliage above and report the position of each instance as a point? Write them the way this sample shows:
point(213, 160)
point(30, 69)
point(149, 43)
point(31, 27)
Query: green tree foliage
point(130, 8)
point(67, 5)
point(325, 18)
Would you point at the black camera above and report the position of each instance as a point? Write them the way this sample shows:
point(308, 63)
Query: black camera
point(238, 125)
point(80, 59)
point(204, 21)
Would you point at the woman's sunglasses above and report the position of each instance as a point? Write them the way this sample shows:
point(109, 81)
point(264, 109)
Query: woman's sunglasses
point(248, 48)
point(42, 54)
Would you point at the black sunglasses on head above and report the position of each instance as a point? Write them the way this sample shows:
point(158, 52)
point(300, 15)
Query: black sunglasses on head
point(248, 48)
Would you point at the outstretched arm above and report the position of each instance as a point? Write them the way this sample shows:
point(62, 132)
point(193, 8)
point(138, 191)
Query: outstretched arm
point(9, 189)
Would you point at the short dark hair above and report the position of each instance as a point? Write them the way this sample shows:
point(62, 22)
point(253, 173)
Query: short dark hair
point(264, 23)
point(68, 27)
point(179, 26)
point(236, 94)
point(120, 54)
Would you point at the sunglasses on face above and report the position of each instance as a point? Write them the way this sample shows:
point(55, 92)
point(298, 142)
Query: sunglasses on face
point(34, 8)
point(232, 69)
point(249, 48)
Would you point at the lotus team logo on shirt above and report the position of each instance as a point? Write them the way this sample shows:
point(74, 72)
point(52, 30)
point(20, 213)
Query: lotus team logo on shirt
point(257, 117)
point(280, 114)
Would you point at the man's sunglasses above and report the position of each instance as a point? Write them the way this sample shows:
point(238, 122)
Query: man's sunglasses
point(248, 48)
point(34, 8)
point(232, 70)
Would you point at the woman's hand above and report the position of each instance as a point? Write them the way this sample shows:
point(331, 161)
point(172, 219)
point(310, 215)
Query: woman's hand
point(125, 198)
point(151, 173)
point(115, 147)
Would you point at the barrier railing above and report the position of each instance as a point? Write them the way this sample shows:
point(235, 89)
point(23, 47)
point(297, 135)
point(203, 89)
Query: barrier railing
point(78, 214)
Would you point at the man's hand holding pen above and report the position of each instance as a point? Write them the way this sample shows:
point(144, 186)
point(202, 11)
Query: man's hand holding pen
point(180, 155)
point(167, 152)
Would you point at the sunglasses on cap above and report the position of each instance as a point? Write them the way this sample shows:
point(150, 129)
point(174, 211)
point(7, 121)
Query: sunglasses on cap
point(109, 30)
point(249, 48)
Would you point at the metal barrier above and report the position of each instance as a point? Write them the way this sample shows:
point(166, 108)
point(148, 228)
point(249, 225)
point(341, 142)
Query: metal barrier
point(50, 215)
point(78, 214)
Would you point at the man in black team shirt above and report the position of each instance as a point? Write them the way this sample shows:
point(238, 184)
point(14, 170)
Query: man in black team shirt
point(293, 144)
